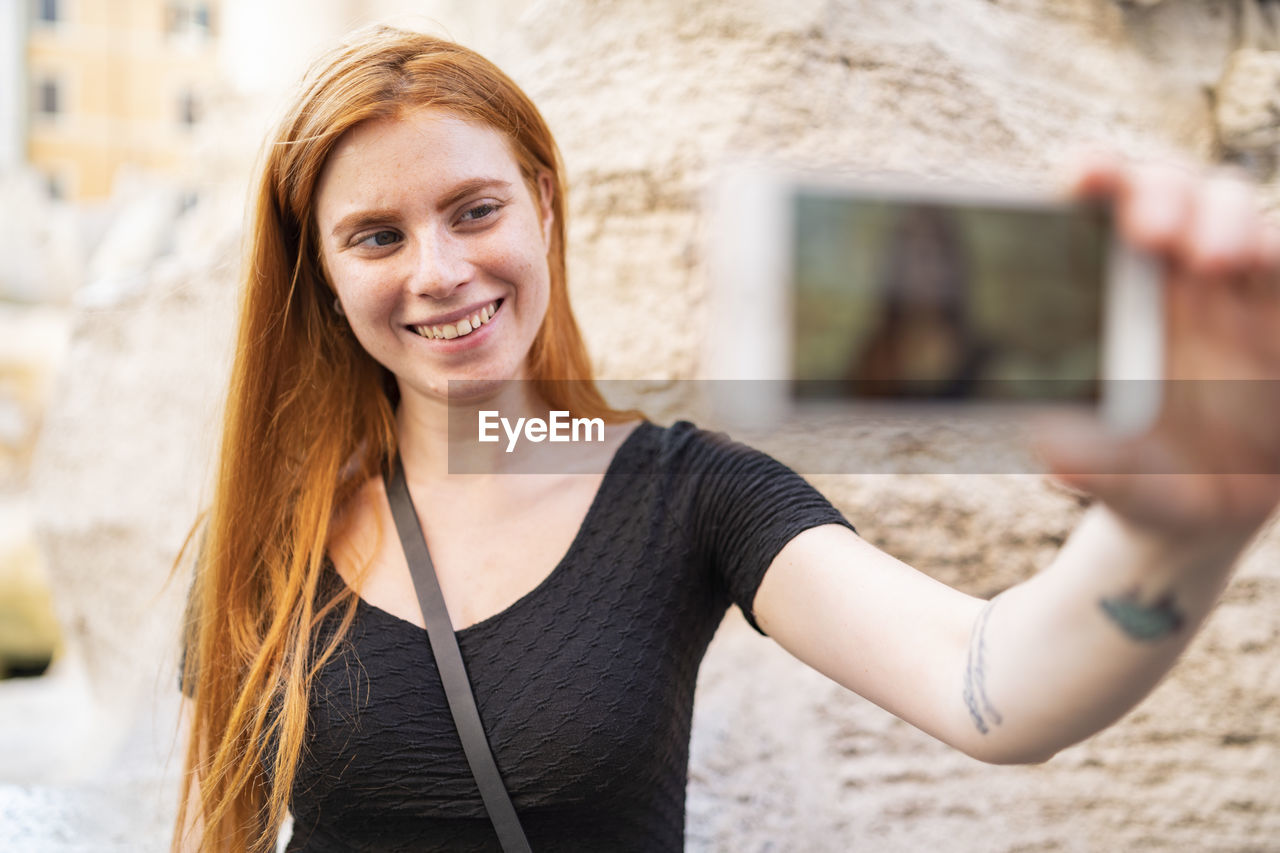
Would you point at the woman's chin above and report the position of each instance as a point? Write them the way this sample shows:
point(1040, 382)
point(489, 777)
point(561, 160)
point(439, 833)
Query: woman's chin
point(467, 392)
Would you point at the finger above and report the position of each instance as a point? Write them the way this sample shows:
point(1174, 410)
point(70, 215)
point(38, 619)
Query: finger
point(1264, 279)
point(1132, 475)
point(1152, 202)
point(1264, 291)
point(1230, 283)
point(1225, 234)
point(1094, 173)
point(1212, 329)
point(1155, 208)
point(1269, 250)
point(1077, 449)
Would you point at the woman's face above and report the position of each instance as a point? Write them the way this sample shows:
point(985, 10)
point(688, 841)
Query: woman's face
point(437, 250)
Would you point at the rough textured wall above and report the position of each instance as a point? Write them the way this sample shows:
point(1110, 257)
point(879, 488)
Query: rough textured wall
point(784, 760)
point(646, 97)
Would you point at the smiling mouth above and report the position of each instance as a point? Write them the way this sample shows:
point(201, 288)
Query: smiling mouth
point(462, 328)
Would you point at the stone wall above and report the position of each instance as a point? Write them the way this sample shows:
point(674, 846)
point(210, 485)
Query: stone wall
point(647, 98)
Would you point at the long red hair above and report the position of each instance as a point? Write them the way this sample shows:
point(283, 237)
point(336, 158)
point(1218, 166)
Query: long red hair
point(310, 417)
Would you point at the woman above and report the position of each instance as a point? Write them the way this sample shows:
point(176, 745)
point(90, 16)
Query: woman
point(407, 266)
point(923, 342)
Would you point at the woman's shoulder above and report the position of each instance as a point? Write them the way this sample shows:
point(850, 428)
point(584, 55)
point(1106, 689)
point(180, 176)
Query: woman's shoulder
point(651, 445)
point(685, 448)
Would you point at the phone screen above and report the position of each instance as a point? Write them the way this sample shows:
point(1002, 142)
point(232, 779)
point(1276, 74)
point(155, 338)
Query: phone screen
point(930, 300)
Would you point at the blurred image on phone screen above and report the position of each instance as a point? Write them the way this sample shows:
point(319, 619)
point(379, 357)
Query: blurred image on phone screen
point(896, 299)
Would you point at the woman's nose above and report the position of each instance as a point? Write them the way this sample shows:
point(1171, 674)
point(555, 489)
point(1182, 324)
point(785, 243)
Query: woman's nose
point(440, 265)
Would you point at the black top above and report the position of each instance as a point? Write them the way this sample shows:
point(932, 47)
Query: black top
point(585, 685)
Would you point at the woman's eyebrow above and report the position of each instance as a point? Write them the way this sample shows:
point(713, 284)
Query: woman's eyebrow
point(362, 218)
point(468, 187)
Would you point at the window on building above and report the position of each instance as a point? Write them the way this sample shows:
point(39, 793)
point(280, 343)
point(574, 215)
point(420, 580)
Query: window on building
point(188, 17)
point(47, 11)
point(188, 108)
point(48, 97)
point(174, 18)
point(55, 185)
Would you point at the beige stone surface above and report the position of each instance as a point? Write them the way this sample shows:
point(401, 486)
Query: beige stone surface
point(1247, 106)
point(647, 98)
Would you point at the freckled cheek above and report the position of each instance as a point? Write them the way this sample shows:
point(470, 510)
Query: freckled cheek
point(517, 255)
point(365, 293)
point(528, 270)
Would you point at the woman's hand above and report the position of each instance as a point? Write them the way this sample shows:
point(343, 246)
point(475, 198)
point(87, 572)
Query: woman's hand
point(1210, 465)
point(1067, 652)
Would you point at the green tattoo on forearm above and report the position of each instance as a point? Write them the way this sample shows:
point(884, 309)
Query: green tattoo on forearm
point(1141, 621)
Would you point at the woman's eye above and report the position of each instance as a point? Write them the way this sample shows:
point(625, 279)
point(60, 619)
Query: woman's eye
point(378, 239)
point(480, 211)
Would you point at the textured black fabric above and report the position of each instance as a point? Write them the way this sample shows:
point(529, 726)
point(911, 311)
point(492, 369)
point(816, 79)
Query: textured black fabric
point(585, 685)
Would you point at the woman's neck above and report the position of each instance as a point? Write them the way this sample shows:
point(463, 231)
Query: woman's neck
point(438, 437)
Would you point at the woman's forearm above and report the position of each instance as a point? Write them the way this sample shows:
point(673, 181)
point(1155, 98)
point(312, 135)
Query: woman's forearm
point(1059, 657)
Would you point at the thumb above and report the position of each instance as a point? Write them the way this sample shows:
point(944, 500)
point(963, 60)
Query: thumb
point(1083, 454)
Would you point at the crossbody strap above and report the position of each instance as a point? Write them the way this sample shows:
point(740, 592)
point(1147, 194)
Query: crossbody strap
point(453, 673)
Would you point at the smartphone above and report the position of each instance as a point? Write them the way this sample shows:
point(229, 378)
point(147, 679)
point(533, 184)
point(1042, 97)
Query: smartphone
point(891, 291)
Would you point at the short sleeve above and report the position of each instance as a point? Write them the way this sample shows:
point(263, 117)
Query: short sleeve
point(744, 507)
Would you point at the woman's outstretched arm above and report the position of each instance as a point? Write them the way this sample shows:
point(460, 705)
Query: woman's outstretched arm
point(1040, 667)
point(1059, 657)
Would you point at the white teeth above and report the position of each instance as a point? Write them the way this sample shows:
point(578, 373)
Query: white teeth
point(465, 326)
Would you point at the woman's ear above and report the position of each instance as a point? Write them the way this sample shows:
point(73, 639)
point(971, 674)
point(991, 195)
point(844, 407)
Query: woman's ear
point(546, 194)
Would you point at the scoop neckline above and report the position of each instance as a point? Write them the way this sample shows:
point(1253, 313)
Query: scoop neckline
point(611, 474)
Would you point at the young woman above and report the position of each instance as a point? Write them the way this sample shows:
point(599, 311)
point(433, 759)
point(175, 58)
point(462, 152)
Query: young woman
point(407, 266)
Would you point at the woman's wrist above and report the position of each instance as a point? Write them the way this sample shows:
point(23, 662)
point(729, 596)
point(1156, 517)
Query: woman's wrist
point(1153, 582)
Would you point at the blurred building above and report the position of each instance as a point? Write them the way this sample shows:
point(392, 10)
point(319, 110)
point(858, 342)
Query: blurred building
point(12, 84)
point(110, 84)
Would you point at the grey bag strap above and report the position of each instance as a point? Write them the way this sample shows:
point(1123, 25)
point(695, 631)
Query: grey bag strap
point(453, 673)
